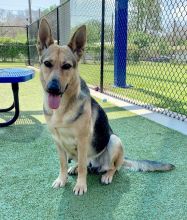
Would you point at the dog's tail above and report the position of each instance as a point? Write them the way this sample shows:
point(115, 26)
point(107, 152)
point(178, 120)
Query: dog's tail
point(146, 165)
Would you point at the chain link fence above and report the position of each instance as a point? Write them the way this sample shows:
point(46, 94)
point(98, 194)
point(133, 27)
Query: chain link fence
point(13, 44)
point(64, 20)
point(156, 58)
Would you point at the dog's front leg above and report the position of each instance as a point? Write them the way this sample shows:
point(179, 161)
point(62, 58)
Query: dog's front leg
point(62, 178)
point(81, 185)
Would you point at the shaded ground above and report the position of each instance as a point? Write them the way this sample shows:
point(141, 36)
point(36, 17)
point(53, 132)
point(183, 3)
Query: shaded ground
point(29, 164)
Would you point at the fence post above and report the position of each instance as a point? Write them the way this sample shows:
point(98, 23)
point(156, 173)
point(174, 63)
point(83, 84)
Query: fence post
point(38, 23)
point(120, 50)
point(57, 19)
point(102, 45)
point(28, 48)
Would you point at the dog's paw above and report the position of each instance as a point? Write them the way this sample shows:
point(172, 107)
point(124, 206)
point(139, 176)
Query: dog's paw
point(59, 182)
point(106, 178)
point(73, 170)
point(80, 189)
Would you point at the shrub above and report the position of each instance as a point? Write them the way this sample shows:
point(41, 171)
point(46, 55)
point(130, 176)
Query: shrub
point(10, 50)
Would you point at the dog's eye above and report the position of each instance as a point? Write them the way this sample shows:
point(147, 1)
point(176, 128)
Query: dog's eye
point(66, 66)
point(48, 64)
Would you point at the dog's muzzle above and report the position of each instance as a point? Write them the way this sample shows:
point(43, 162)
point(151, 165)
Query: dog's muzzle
point(55, 93)
point(55, 88)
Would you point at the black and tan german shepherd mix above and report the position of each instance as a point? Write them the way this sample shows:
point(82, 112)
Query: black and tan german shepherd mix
point(79, 126)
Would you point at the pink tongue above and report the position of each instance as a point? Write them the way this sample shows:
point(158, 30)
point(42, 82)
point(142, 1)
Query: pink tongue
point(54, 101)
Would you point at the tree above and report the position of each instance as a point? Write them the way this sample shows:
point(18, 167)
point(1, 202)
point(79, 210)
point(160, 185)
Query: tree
point(139, 41)
point(145, 15)
point(94, 31)
point(47, 10)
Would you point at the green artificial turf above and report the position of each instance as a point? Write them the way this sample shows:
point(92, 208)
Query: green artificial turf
point(29, 164)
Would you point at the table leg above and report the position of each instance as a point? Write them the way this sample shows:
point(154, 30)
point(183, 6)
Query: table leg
point(7, 109)
point(15, 90)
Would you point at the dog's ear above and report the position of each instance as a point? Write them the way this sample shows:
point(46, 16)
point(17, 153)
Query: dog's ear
point(78, 41)
point(45, 38)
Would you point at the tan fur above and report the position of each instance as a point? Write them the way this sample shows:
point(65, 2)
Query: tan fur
point(73, 138)
point(116, 155)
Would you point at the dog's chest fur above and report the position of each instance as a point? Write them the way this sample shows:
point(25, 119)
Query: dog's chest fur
point(64, 129)
point(66, 139)
point(67, 127)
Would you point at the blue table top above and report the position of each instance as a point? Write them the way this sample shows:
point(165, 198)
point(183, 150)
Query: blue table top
point(15, 75)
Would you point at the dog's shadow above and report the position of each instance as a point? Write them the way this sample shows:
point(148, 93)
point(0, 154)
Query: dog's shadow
point(99, 202)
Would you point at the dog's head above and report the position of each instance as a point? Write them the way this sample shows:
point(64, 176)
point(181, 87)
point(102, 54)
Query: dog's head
point(59, 64)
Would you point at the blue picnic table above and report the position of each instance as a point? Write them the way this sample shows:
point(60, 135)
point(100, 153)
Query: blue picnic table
point(14, 76)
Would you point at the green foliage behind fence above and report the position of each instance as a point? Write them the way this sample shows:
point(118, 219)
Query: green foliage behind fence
point(11, 50)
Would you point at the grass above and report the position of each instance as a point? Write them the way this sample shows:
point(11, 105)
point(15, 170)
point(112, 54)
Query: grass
point(161, 84)
point(29, 164)
point(10, 64)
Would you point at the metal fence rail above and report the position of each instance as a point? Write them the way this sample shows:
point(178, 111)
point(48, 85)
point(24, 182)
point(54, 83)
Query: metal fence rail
point(155, 62)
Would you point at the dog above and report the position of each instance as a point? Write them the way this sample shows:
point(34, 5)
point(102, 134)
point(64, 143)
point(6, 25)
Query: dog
point(78, 124)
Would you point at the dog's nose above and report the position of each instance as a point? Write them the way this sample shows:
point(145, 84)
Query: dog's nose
point(54, 87)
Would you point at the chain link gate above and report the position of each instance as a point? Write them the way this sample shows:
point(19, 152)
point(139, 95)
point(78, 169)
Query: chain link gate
point(156, 57)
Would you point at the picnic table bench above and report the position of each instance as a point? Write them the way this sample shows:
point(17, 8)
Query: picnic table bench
point(14, 76)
